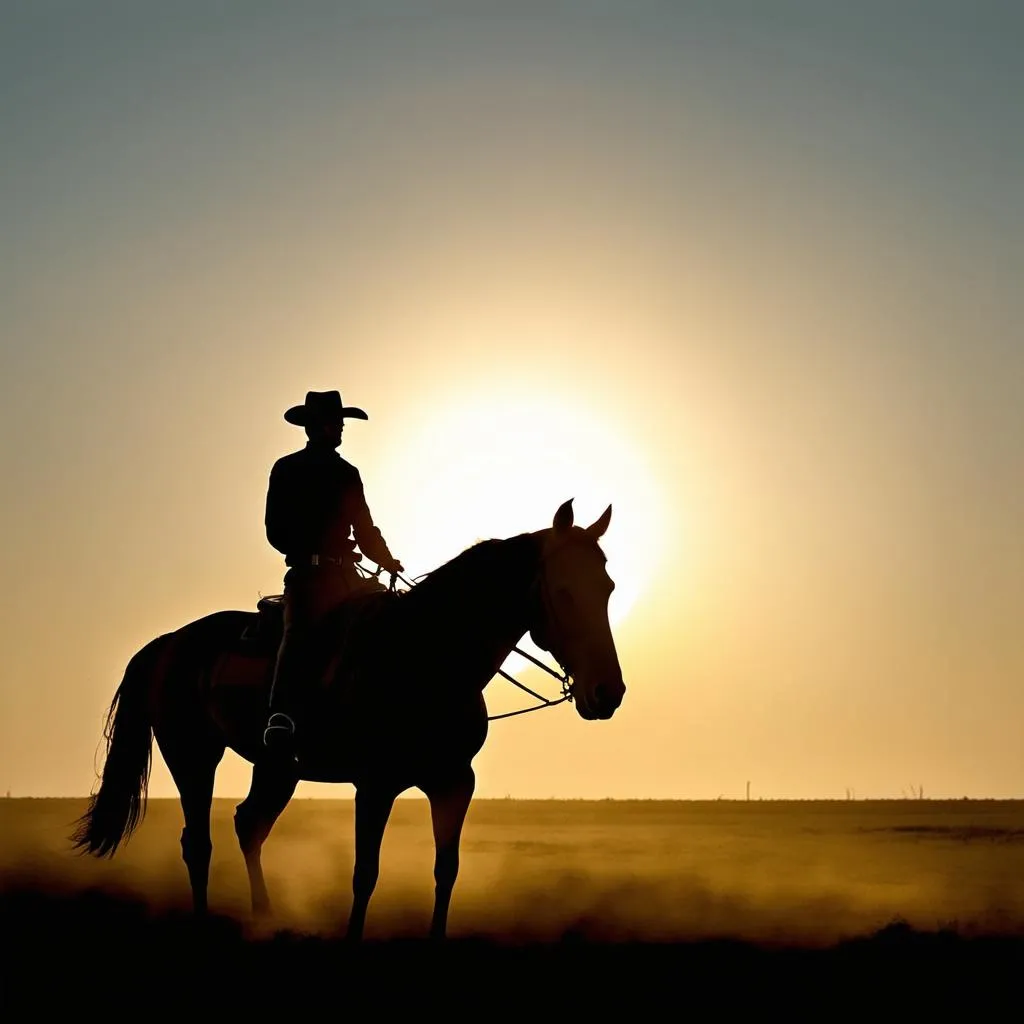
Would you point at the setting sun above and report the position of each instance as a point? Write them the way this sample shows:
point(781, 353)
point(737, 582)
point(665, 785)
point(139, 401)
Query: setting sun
point(500, 463)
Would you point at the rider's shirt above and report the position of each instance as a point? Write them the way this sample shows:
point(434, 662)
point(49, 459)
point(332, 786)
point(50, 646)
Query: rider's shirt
point(316, 505)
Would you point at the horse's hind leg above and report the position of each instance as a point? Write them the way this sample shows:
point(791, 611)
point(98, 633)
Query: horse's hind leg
point(269, 793)
point(193, 768)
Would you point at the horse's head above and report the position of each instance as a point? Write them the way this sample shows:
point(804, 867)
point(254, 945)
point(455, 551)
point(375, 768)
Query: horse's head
point(571, 617)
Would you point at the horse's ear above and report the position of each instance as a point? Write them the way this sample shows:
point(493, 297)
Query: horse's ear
point(563, 517)
point(598, 528)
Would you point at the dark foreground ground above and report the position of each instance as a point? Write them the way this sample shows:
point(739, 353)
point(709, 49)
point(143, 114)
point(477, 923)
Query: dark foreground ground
point(111, 958)
point(637, 910)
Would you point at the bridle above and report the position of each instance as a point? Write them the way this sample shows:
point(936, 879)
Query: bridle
point(540, 601)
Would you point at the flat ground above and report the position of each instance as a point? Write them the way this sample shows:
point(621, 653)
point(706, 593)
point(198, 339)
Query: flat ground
point(781, 897)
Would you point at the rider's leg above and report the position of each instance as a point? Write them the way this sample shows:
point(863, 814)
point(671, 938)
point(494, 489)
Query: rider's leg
point(309, 595)
point(288, 669)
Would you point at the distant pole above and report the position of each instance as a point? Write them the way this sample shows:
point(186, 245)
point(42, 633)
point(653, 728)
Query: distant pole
point(748, 790)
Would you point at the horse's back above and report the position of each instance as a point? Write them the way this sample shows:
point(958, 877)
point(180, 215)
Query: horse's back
point(216, 629)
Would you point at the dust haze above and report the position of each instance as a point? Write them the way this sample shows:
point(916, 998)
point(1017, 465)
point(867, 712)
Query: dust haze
point(772, 873)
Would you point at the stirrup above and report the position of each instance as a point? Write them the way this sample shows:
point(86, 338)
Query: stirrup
point(280, 730)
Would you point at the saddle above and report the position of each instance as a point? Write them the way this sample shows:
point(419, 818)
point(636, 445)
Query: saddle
point(262, 633)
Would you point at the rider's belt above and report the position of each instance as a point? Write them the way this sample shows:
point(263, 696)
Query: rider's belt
point(332, 559)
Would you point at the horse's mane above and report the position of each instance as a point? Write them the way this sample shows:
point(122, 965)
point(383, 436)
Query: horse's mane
point(474, 563)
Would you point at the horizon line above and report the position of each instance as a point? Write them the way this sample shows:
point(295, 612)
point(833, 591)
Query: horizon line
point(609, 799)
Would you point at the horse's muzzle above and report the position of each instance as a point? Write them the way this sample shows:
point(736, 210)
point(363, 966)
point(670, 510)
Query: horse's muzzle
point(601, 702)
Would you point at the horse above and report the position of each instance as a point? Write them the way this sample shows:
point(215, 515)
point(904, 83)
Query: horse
point(397, 704)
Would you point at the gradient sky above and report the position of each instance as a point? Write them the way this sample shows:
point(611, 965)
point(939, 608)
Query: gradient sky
point(749, 271)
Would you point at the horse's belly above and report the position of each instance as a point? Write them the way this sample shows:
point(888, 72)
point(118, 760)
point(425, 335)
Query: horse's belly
point(239, 695)
point(377, 744)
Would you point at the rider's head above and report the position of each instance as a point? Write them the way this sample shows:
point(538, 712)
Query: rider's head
point(323, 416)
point(325, 430)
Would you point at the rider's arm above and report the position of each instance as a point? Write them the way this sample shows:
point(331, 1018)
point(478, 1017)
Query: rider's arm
point(366, 534)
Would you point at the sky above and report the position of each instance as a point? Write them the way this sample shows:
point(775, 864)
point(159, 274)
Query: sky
point(748, 271)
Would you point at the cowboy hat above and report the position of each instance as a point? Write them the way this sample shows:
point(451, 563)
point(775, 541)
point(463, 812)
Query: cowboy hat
point(321, 407)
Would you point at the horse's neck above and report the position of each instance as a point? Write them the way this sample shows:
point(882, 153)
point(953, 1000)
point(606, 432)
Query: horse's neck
point(482, 608)
point(503, 609)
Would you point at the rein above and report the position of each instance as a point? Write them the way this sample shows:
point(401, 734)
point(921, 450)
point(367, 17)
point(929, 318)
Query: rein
point(563, 677)
point(544, 702)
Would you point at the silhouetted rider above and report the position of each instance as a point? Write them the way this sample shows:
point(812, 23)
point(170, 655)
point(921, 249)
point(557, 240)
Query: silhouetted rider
point(316, 515)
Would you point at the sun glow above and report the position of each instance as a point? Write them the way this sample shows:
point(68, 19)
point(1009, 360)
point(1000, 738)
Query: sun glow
point(501, 464)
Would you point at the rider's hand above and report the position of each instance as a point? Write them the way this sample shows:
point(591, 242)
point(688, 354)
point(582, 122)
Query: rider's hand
point(395, 566)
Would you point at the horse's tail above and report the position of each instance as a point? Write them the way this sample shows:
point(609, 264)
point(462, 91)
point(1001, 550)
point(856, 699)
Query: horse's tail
point(120, 805)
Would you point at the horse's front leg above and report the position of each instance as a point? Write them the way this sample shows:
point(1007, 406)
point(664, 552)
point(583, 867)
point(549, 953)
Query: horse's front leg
point(373, 808)
point(449, 800)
